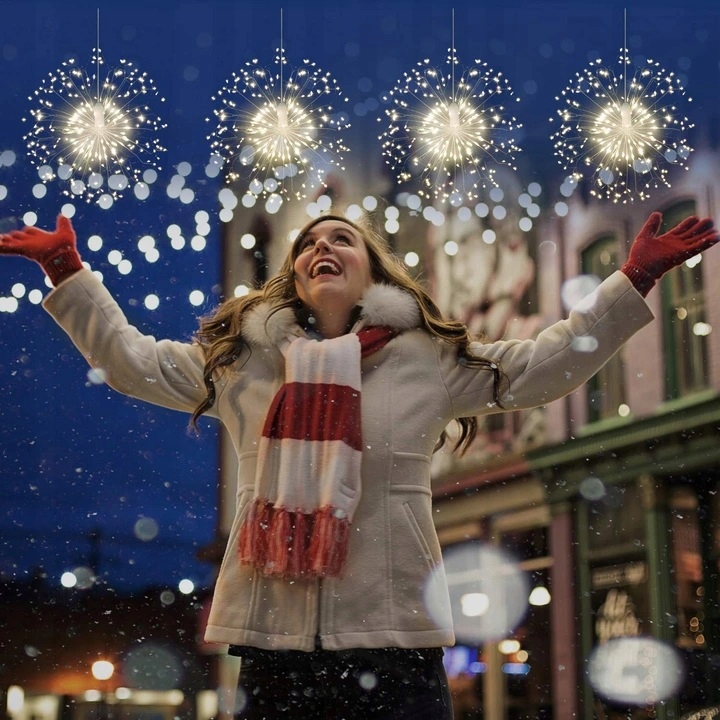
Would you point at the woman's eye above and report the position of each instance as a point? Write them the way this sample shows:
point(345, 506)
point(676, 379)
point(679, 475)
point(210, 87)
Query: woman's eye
point(343, 239)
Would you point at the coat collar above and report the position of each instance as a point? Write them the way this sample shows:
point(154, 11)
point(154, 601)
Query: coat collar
point(381, 304)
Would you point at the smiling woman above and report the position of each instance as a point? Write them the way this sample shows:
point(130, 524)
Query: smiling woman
point(336, 382)
point(332, 271)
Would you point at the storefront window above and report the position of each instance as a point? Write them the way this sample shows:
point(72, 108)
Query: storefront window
point(514, 670)
point(526, 664)
point(619, 595)
point(687, 564)
point(616, 521)
point(618, 606)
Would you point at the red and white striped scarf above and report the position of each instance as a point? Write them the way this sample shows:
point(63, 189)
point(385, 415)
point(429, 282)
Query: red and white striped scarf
point(307, 483)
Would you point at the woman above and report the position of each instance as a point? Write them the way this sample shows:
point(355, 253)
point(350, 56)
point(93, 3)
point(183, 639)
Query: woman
point(336, 382)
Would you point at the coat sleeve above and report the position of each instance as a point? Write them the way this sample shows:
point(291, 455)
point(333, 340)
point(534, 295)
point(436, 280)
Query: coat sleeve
point(163, 372)
point(562, 357)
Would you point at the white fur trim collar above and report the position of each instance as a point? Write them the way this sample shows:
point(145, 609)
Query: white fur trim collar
point(380, 305)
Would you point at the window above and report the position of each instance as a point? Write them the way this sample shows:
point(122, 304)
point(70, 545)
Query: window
point(606, 389)
point(526, 656)
point(685, 329)
point(687, 561)
point(616, 522)
point(694, 509)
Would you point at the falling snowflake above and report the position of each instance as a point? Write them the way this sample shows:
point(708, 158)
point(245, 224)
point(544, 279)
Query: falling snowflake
point(99, 132)
point(450, 135)
point(280, 136)
point(623, 132)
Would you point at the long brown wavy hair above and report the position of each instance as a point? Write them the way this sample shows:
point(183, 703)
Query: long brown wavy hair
point(220, 335)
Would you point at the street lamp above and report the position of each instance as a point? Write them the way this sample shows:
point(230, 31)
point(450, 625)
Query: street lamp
point(103, 670)
point(15, 700)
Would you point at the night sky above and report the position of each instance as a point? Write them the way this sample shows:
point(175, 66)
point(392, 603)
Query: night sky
point(80, 465)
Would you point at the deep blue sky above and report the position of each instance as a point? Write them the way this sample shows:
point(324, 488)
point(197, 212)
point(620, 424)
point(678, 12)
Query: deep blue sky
point(76, 457)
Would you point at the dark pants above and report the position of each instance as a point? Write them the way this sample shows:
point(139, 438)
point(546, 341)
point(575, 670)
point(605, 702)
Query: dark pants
point(373, 684)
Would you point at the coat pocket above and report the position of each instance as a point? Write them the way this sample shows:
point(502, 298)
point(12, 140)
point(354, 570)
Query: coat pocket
point(418, 533)
point(414, 546)
point(415, 557)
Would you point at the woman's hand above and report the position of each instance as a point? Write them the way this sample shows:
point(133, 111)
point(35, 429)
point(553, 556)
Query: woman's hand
point(651, 255)
point(55, 251)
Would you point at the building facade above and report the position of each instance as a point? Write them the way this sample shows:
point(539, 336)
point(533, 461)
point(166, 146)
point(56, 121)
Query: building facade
point(607, 501)
point(611, 501)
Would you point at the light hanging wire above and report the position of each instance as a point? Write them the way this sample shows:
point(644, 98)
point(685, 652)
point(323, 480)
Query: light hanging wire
point(278, 137)
point(96, 134)
point(449, 136)
point(623, 137)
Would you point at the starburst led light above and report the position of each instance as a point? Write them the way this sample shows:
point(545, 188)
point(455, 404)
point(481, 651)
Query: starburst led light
point(281, 136)
point(99, 131)
point(450, 135)
point(624, 130)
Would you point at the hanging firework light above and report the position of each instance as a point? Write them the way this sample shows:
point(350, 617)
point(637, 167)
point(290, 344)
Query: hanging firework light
point(623, 130)
point(96, 133)
point(280, 133)
point(448, 135)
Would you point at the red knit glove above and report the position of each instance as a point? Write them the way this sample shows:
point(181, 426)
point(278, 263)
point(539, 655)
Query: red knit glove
point(55, 251)
point(651, 257)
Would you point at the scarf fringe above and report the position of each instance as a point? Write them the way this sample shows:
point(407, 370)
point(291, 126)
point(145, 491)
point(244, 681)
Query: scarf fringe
point(252, 542)
point(329, 542)
point(293, 544)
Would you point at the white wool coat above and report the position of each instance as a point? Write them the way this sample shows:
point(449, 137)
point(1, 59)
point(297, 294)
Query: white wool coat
point(411, 389)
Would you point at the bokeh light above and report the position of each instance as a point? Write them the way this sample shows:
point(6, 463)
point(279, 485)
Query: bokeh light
point(84, 577)
point(146, 529)
point(102, 669)
point(152, 666)
point(635, 670)
point(488, 592)
point(577, 288)
point(585, 344)
point(15, 699)
point(592, 488)
point(96, 376)
point(539, 596)
point(412, 259)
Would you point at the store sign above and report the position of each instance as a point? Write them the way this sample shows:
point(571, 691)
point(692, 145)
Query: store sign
point(633, 573)
point(710, 713)
point(620, 600)
point(616, 617)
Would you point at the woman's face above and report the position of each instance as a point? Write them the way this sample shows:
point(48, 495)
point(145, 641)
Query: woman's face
point(332, 269)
